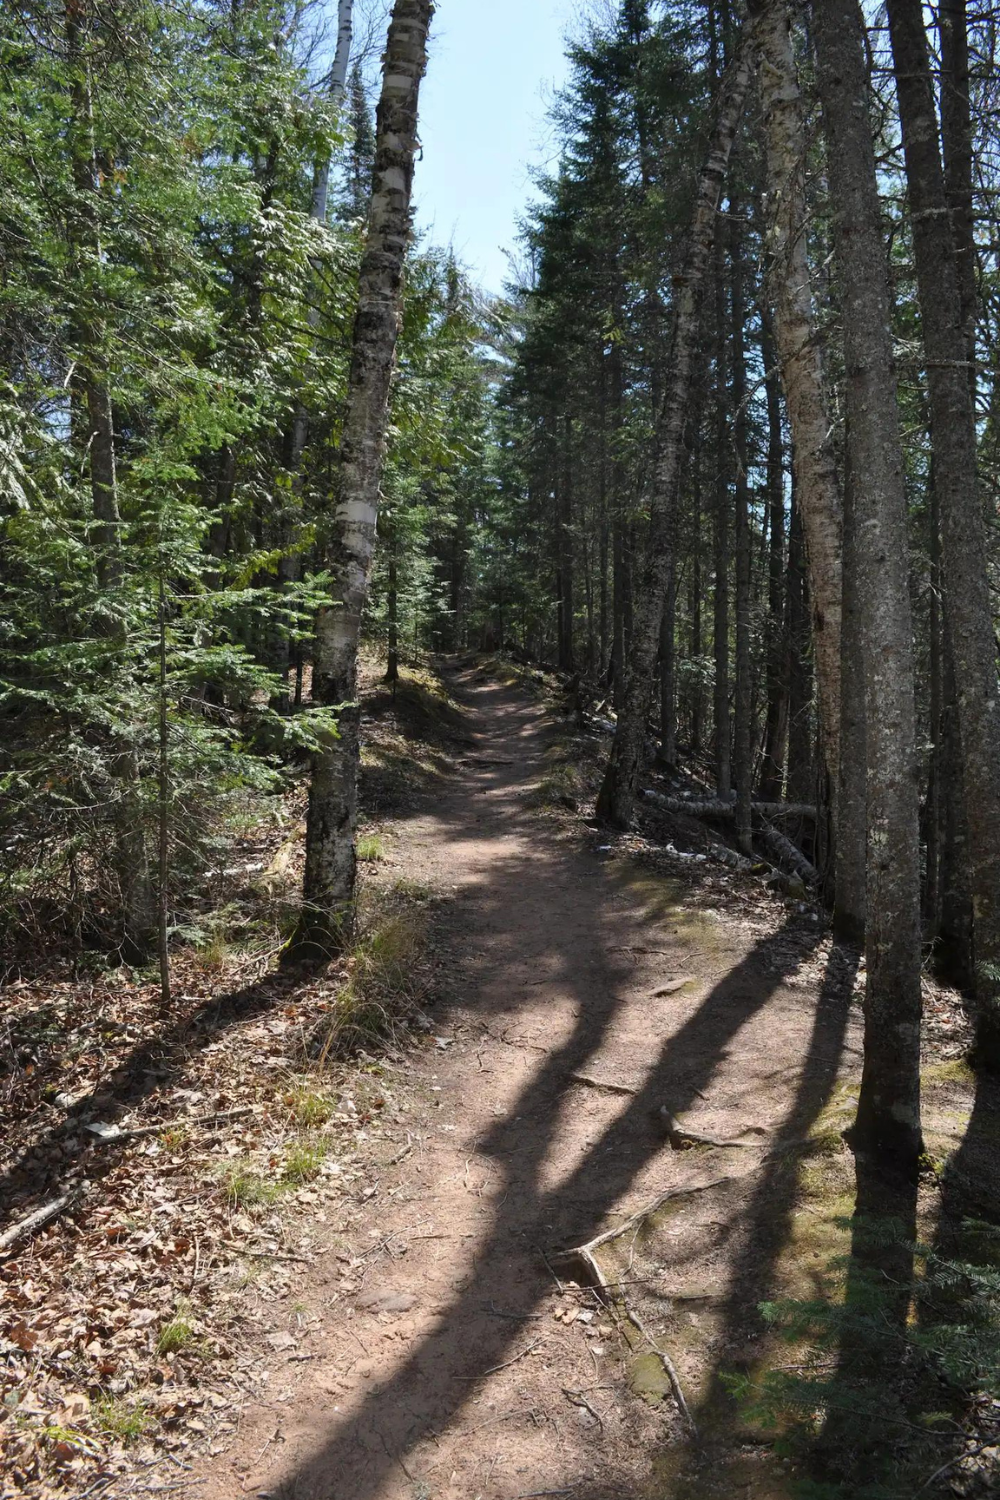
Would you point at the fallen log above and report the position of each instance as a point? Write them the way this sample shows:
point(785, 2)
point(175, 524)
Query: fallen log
point(712, 807)
point(787, 854)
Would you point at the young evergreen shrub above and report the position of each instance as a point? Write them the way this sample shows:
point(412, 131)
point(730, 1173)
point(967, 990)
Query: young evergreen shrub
point(876, 1402)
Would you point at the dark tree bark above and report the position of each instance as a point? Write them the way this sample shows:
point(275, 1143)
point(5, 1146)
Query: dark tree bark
point(668, 673)
point(888, 1122)
point(743, 715)
point(957, 147)
point(619, 550)
point(722, 726)
point(694, 609)
point(564, 547)
point(968, 614)
point(328, 889)
point(801, 786)
point(772, 774)
point(849, 894)
point(616, 799)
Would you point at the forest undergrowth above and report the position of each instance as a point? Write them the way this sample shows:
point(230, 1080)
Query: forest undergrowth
point(189, 1158)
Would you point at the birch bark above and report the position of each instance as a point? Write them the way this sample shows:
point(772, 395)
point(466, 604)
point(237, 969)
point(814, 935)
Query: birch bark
point(616, 799)
point(328, 888)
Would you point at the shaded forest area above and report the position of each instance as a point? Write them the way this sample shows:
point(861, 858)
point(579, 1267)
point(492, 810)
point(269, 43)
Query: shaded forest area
point(723, 457)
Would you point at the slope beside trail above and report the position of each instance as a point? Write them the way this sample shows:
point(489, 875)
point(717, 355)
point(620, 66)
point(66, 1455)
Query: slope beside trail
point(456, 1368)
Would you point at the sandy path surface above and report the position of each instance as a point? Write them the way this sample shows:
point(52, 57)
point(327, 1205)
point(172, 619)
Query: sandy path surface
point(449, 1375)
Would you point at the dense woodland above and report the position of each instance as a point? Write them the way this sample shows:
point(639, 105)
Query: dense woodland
point(724, 455)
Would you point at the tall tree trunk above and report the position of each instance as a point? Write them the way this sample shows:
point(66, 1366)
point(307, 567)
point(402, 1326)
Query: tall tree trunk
point(619, 557)
point(668, 672)
point(772, 775)
point(963, 532)
point(564, 545)
point(957, 149)
point(817, 489)
point(849, 902)
point(801, 784)
point(722, 727)
point(694, 606)
point(328, 889)
point(602, 563)
point(888, 1122)
point(288, 521)
point(743, 714)
point(616, 799)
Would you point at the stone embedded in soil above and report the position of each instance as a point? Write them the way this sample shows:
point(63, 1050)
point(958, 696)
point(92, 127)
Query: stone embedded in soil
point(387, 1302)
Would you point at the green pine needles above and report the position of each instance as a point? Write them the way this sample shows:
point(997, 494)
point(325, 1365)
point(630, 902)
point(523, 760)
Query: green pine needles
point(881, 1383)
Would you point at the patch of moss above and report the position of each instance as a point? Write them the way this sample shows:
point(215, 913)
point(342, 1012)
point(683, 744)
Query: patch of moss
point(647, 1378)
point(956, 1070)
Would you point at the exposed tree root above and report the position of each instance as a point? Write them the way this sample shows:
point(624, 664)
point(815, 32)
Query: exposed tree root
point(601, 1083)
point(613, 1294)
point(679, 1135)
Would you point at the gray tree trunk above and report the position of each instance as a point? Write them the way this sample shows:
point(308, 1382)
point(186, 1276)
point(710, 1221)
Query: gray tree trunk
point(849, 894)
point(668, 674)
point(328, 888)
point(800, 784)
point(616, 800)
point(969, 623)
point(743, 709)
point(817, 488)
point(722, 735)
point(888, 1122)
point(772, 775)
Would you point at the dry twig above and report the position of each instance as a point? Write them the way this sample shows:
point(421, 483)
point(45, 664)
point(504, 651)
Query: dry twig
point(38, 1218)
point(507, 1362)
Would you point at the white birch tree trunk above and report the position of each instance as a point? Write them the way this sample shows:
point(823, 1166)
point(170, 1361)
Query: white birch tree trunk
point(338, 84)
point(328, 890)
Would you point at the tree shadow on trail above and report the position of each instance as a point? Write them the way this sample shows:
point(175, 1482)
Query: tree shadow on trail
point(771, 1211)
point(363, 1453)
point(587, 958)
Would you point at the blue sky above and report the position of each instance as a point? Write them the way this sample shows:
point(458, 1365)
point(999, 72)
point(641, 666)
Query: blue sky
point(493, 67)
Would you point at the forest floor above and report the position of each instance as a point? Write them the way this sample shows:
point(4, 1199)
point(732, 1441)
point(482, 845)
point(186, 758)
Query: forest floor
point(403, 1325)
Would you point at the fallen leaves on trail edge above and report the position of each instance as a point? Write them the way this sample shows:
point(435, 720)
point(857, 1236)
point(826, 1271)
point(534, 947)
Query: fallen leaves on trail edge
point(134, 1327)
point(127, 1332)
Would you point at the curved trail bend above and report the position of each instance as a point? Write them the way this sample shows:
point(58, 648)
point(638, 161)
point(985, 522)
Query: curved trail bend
point(450, 1375)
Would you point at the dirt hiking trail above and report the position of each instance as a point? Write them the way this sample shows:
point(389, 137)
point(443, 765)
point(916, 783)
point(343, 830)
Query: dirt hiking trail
point(460, 1365)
